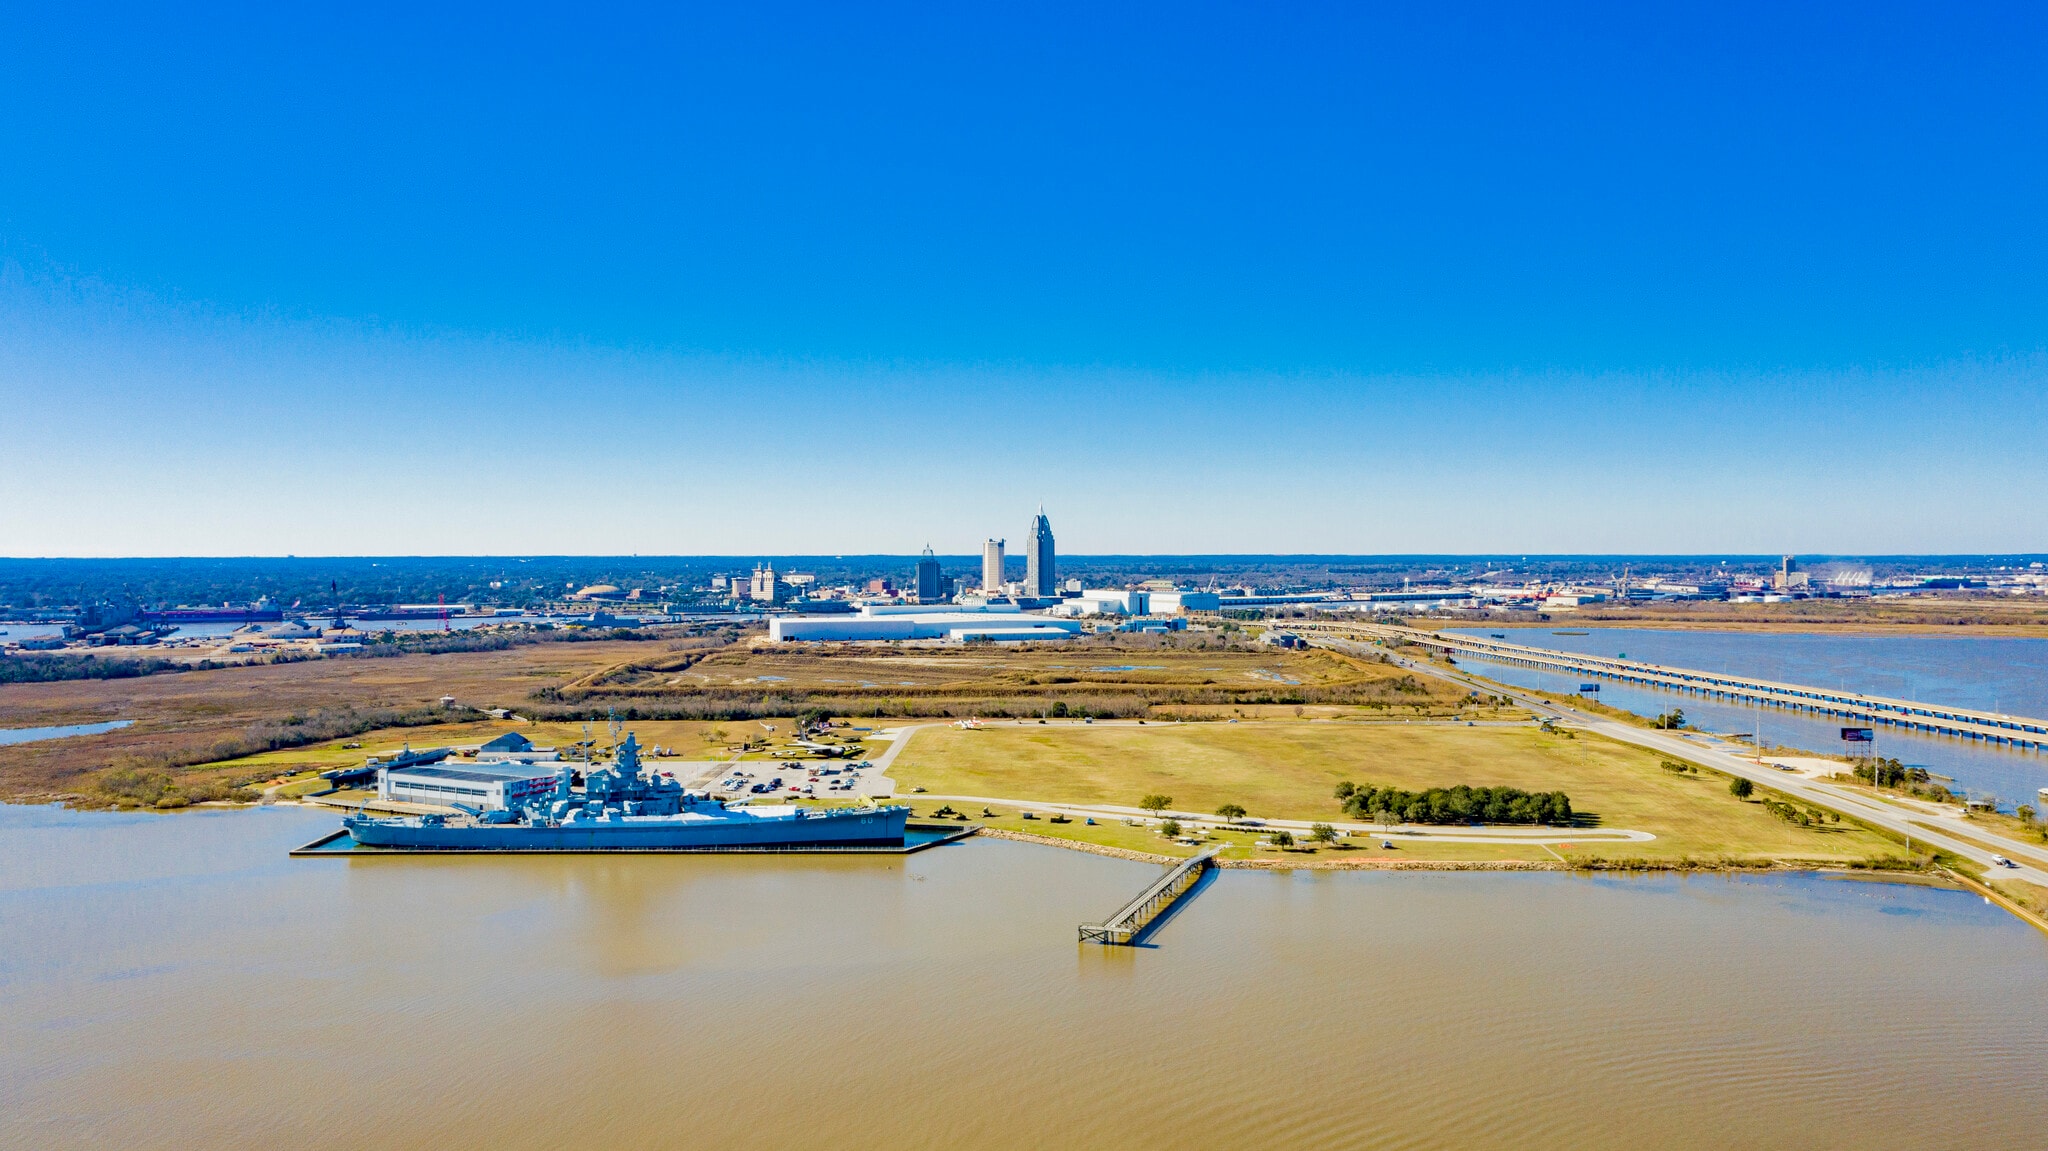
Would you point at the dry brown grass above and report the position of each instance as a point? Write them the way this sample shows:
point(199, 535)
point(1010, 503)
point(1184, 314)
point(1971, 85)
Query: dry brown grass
point(203, 726)
point(2031, 897)
point(178, 717)
point(1103, 676)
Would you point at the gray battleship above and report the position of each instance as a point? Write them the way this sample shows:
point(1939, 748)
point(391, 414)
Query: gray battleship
point(622, 808)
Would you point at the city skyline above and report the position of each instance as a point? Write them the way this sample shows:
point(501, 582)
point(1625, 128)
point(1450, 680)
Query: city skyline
point(1325, 282)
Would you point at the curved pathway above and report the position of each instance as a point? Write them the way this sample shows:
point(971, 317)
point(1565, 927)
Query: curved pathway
point(875, 781)
point(1435, 833)
point(878, 784)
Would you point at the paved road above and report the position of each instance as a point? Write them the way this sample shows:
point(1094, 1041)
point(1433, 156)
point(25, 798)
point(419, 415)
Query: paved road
point(1435, 833)
point(875, 781)
point(2033, 860)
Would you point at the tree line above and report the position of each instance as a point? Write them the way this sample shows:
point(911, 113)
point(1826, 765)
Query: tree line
point(57, 668)
point(1460, 804)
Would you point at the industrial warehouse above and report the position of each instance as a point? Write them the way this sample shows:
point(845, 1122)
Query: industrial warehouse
point(959, 623)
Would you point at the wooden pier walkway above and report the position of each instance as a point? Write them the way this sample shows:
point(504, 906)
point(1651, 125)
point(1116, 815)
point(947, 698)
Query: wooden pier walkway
point(1131, 920)
point(1966, 723)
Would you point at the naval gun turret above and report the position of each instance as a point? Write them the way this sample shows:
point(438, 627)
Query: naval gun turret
point(623, 786)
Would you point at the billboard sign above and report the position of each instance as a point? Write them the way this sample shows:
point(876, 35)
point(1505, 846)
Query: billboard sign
point(1859, 735)
point(1589, 689)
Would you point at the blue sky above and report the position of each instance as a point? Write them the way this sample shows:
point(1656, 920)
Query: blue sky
point(858, 278)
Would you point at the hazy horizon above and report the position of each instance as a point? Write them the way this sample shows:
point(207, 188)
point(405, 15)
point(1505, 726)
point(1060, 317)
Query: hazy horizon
point(1015, 558)
point(1198, 281)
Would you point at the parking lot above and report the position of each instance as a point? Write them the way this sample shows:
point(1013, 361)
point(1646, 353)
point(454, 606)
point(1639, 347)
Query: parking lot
point(789, 780)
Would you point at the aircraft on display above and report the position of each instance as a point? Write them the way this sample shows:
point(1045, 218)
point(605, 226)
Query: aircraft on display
point(828, 750)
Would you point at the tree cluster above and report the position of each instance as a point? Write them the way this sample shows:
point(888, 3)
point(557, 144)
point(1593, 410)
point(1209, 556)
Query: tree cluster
point(149, 778)
point(1459, 804)
point(1912, 780)
point(1790, 813)
point(1890, 773)
point(149, 787)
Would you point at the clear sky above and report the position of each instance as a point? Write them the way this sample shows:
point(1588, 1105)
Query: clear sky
point(777, 279)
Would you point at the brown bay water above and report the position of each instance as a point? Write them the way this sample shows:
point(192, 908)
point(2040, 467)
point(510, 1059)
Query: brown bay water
point(176, 981)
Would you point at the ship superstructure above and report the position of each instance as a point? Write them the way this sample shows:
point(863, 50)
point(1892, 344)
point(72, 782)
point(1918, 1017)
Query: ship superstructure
point(623, 807)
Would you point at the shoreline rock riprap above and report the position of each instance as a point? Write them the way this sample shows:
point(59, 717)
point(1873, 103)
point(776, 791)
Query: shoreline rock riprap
point(1377, 864)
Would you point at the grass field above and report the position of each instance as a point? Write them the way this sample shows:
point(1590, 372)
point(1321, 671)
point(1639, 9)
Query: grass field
point(1103, 675)
point(1287, 770)
point(2027, 895)
point(687, 739)
point(1311, 719)
point(699, 740)
point(194, 716)
point(1243, 844)
point(194, 731)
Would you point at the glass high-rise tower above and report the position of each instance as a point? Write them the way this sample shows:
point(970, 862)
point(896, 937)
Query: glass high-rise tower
point(930, 587)
point(1040, 579)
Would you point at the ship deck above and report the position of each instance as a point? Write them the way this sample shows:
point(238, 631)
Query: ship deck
point(917, 836)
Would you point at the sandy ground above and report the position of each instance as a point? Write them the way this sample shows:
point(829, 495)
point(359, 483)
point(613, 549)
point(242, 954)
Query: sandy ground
point(1807, 766)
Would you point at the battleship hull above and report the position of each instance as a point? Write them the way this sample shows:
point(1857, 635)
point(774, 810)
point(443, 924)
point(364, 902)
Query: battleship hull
point(741, 828)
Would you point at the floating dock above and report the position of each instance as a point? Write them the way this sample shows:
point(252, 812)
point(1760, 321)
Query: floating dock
point(1131, 920)
point(917, 836)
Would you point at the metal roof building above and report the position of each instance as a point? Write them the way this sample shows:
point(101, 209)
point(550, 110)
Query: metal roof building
point(480, 786)
point(891, 622)
point(510, 741)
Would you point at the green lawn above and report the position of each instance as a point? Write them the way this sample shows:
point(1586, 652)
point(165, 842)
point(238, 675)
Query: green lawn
point(691, 739)
point(1287, 769)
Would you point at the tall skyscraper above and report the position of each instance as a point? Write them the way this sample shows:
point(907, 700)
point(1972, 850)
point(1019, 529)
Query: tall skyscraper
point(1040, 579)
point(928, 587)
point(992, 566)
